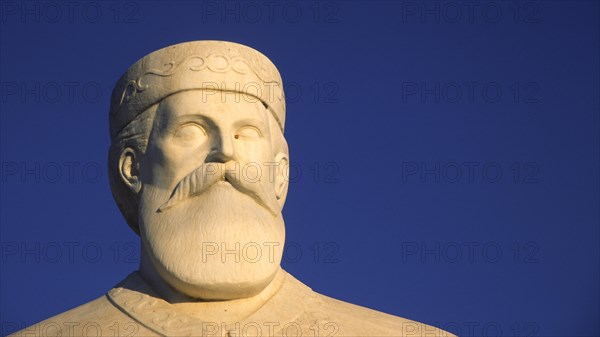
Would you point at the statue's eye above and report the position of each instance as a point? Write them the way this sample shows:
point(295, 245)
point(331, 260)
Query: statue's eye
point(190, 134)
point(248, 132)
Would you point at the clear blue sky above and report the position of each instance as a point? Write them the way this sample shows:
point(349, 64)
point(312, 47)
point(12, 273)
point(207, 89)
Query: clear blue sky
point(446, 156)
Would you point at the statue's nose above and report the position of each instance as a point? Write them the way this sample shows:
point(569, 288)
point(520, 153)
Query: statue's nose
point(222, 150)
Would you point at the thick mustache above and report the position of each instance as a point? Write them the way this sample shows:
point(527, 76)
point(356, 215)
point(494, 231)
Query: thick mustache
point(205, 176)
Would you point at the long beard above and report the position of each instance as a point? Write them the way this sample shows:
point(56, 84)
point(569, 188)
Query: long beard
point(217, 245)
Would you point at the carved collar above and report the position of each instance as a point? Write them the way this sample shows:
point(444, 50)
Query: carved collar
point(136, 299)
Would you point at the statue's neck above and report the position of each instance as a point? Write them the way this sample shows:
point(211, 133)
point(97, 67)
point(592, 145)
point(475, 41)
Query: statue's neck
point(226, 311)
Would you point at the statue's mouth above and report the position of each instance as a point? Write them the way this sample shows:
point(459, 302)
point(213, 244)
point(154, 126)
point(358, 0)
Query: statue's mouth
point(223, 182)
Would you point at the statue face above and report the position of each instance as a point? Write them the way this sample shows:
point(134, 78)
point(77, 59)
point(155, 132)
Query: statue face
point(210, 220)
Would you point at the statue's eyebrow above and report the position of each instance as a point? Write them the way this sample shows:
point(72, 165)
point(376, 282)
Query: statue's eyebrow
point(254, 121)
point(182, 119)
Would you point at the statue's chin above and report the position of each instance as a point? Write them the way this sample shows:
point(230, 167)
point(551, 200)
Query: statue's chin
point(209, 278)
point(212, 291)
point(221, 245)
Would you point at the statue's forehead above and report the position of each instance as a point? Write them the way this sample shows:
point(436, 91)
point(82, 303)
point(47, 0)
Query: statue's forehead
point(214, 104)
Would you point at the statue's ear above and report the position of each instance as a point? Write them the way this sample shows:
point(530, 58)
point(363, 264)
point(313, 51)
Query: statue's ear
point(129, 170)
point(282, 178)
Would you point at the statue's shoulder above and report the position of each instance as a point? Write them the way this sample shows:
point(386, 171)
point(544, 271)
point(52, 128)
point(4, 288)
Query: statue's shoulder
point(356, 320)
point(333, 317)
point(98, 317)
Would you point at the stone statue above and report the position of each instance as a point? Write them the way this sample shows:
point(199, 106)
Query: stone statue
point(198, 165)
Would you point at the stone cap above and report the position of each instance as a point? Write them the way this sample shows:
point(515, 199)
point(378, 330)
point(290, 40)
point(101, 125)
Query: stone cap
point(227, 67)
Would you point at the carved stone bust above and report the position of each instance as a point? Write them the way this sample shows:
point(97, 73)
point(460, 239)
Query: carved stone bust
point(198, 167)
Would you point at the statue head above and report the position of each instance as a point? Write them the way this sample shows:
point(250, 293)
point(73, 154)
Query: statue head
point(198, 165)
